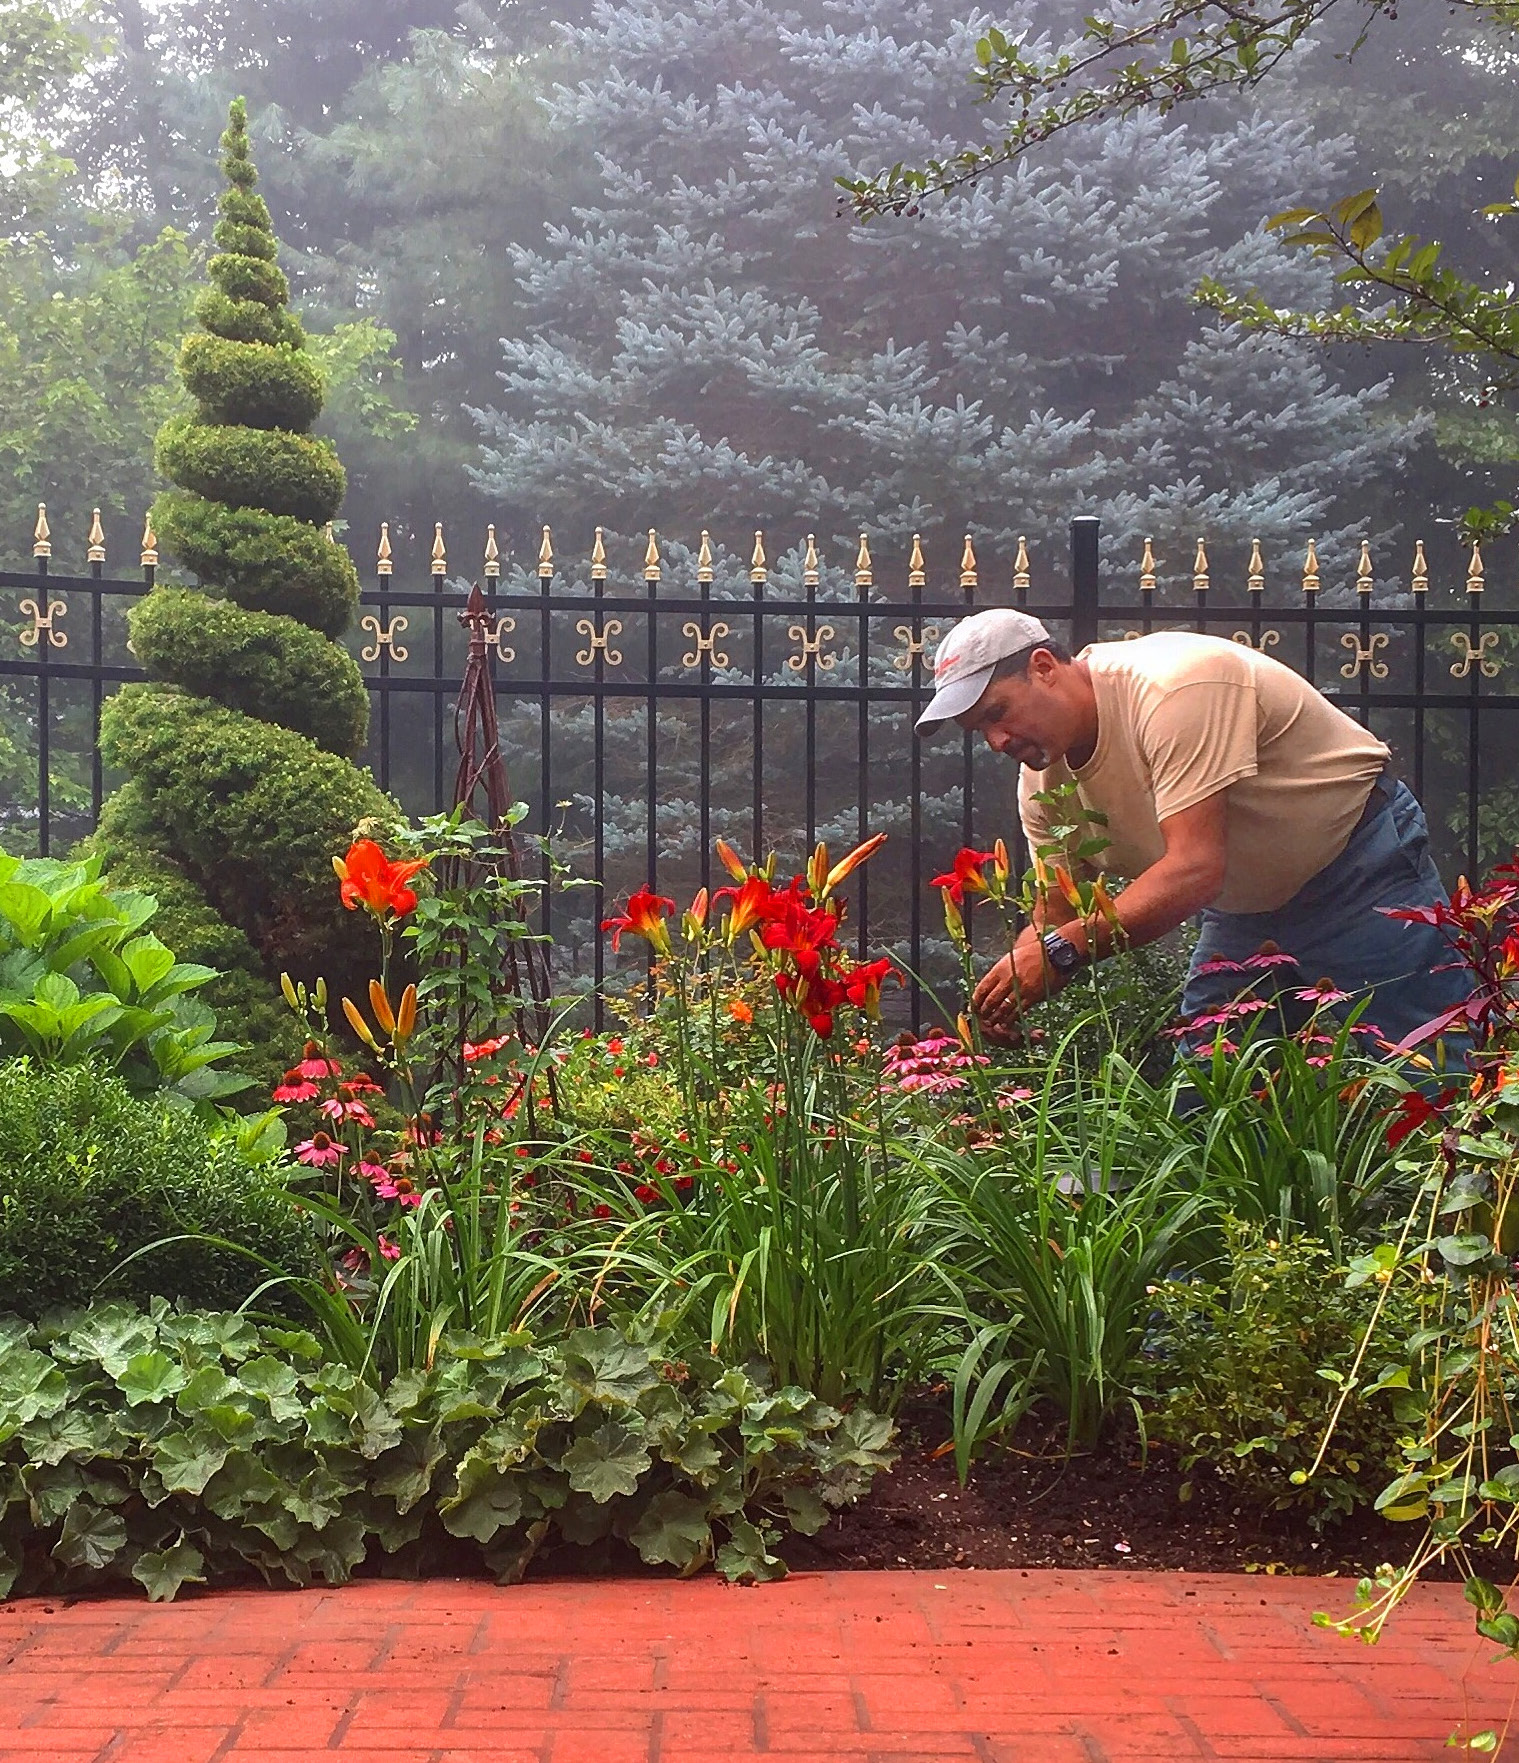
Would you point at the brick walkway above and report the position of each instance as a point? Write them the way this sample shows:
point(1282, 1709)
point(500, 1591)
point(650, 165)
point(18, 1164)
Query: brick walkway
point(1007, 1667)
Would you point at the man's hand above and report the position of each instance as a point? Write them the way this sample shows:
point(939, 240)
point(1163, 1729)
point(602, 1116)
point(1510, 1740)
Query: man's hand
point(1017, 982)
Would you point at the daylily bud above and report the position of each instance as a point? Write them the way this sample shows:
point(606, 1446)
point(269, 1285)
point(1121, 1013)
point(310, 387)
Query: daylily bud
point(962, 1028)
point(846, 866)
point(1103, 901)
point(380, 1004)
point(1000, 863)
point(357, 1023)
point(406, 1016)
point(817, 870)
point(287, 986)
point(320, 994)
point(954, 923)
point(340, 869)
point(730, 860)
point(695, 917)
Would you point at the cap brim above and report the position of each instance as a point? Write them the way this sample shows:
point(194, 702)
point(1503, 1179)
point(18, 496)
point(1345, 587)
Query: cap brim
point(953, 700)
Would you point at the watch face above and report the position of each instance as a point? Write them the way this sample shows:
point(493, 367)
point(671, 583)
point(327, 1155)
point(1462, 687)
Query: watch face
point(1061, 951)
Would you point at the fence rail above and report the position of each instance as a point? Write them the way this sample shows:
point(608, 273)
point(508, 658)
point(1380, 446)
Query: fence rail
point(648, 710)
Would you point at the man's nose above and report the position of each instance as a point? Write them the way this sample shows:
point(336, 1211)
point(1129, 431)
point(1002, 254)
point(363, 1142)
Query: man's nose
point(998, 739)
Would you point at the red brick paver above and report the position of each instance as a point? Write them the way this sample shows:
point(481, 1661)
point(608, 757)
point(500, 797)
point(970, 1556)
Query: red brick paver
point(1008, 1667)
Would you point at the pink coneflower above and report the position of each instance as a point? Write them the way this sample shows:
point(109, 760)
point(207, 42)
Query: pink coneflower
point(337, 1109)
point(315, 1063)
point(295, 1089)
point(375, 1172)
point(319, 1152)
point(400, 1188)
point(361, 1084)
point(389, 1250)
point(1324, 992)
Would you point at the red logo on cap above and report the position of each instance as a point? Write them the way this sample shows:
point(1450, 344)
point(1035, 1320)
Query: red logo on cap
point(943, 662)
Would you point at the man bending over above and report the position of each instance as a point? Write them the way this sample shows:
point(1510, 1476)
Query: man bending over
point(1232, 790)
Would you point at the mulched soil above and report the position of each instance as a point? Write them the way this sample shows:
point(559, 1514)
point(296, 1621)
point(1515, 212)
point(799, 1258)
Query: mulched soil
point(1118, 1508)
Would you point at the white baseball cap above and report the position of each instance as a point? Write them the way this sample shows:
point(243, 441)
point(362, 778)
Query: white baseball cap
point(963, 666)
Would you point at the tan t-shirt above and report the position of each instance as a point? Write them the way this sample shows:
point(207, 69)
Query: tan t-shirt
point(1181, 717)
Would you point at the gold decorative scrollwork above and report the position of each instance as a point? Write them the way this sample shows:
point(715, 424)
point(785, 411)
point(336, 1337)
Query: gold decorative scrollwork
point(1269, 640)
point(384, 637)
point(1488, 666)
point(912, 647)
point(599, 639)
point(811, 648)
point(493, 633)
point(1364, 657)
point(705, 645)
point(43, 621)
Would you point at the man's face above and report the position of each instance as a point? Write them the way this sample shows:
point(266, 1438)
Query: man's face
point(1022, 715)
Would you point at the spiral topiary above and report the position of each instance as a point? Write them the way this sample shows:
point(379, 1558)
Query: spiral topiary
point(240, 748)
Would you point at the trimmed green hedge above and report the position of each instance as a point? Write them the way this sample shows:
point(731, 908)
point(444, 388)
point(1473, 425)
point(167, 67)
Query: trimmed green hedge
point(167, 1448)
point(247, 321)
point(266, 562)
point(270, 469)
point(257, 812)
point(90, 1173)
point(268, 667)
point(251, 383)
point(249, 278)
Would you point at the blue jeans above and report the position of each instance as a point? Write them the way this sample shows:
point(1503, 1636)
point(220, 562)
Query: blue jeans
point(1332, 929)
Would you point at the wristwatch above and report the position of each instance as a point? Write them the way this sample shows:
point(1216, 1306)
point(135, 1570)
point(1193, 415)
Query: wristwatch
point(1061, 953)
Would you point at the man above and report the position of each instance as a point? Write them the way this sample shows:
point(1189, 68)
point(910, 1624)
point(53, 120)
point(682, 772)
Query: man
point(1232, 790)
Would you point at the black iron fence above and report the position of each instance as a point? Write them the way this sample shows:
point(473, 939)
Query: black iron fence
point(649, 707)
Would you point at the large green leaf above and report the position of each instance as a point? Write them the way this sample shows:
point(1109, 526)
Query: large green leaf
point(92, 1536)
point(607, 1462)
point(186, 1461)
point(161, 1572)
point(676, 1529)
point(151, 1377)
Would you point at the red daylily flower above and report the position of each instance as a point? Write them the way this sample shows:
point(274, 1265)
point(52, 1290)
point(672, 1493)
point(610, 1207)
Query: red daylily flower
point(645, 917)
point(751, 904)
point(1412, 1111)
point(968, 875)
point(862, 984)
point(369, 879)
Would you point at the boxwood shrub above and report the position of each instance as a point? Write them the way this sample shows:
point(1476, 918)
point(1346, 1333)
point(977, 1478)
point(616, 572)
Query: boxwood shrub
point(89, 1173)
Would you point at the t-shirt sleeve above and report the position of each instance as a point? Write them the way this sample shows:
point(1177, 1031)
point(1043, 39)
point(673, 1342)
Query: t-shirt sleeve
point(1199, 739)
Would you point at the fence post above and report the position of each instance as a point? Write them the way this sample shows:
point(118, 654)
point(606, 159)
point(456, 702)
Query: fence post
point(1085, 529)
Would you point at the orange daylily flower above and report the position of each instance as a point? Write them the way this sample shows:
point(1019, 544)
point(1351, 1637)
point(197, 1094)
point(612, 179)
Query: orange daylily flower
point(369, 879)
point(645, 917)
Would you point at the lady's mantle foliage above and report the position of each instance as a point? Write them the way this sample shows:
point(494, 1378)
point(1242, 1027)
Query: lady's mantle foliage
point(169, 1447)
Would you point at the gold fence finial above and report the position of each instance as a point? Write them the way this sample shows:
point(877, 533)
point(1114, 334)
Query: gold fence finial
point(917, 575)
point(149, 542)
point(704, 568)
point(599, 558)
point(1364, 579)
point(492, 554)
point(864, 570)
point(1420, 581)
point(1311, 569)
point(96, 552)
point(1255, 580)
point(651, 569)
point(439, 553)
point(810, 563)
point(1474, 570)
point(968, 574)
point(383, 564)
point(546, 556)
point(42, 534)
point(1147, 569)
point(1200, 569)
point(758, 570)
point(1020, 567)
